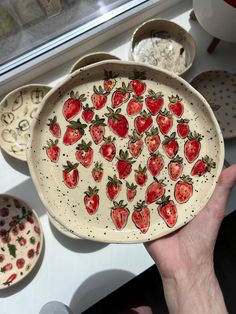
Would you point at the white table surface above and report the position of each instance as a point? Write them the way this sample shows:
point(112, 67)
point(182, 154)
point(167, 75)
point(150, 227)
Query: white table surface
point(78, 272)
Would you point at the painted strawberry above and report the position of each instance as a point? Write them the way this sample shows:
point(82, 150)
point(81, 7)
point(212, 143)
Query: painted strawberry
point(113, 187)
point(154, 191)
point(131, 191)
point(54, 127)
point(175, 168)
point(108, 148)
point(183, 189)
point(21, 240)
point(20, 263)
point(136, 84)
point(97, 172)
point(2, 258)
point(73, 105)
point(119, 215)
point(99, 97)
point(53, 150)
point(117, 122)
point(30, 253)
point(135, 144)
point(164, 121)
point(203, 166)
point(192, 146)
point(74, 132)
point(120, 96)
point(97, 129)
point(124, 164)
point(167, 210)
point(141, 217)
point(152, 140)
point(6, 267)
point(183, 128)
point(84, 153)
point(91, 200)
point(87, 113)
point(155, 164)
point(154, 101)
point(170, 145)
point(176, 106)
point(143, 122)
point(141, 175)
point(71, 175)
point(4, 211)
point(10, 279)
point(109, 81)
point(135, 105)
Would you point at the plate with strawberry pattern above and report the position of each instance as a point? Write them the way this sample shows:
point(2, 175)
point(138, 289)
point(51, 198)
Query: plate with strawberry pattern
point(21, 240)
point(138, 155)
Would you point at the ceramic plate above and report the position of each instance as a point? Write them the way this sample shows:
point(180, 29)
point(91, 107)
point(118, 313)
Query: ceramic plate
point(61, 228)
point(21, 240)
point(132, 158)
point(219, 89)
point(17, 109)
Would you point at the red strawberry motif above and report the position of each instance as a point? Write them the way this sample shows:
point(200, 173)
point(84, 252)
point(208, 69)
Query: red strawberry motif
point(54, 127)
point(108, 148)
point(117, 122)
point(176, 106)
point(87, 113)
point(73, 105)
point(120, 96)
point(170, 145)
point(74, 132)
point(141, 175)
point(183, 128)
point(109, 81)
point(124, 164)
point(136, 84)
point(202, 166)
point(154, 191)
point(2, 257)
point(175, 168)
point(192, 146)
point(183, 189)
point(70, 175)
point(167, 210)
point(21, 240)
point(99, 97)
point(91, 200)
point(143, 122)
point(141, 217)
point(97, 172)
point(155, 164)
point(164, 121)
point(4, 211)
point(97, 129)
point(154, 102)
point(6, 267)
point(84, 153)
point(152, 140)
point(113, 187)
point(135, 145)
point(135, 105)
point(10, 279)
point(30, 253)
point(52, 150)
point(20, 263)
point(119, 215)
point(131, 191)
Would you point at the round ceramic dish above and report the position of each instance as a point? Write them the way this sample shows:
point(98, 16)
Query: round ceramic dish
point(21, 240)
point(164, 44)
point(61, 228)
point(17, 109)
point(92, 58)
point(117, 170)
point(219, 89)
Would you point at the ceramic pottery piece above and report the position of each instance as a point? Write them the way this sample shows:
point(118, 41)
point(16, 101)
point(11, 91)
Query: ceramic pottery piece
point(164, 44)
point(219, 89)
point(61, 228)
point(21, 240)
point(17, 109)
point(137, 156)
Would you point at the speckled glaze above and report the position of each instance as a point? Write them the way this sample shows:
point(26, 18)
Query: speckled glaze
point(60, 228)
point(219, 89)
point(21, 240)
point(99, 207)
point(17, 109)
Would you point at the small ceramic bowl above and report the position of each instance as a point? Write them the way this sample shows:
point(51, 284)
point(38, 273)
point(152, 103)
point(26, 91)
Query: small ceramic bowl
point(17, 109)
point(164, 44)
point(92, 58)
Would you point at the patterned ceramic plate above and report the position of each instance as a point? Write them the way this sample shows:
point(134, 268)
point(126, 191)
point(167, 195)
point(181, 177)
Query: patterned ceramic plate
point(130, 158)
point(21, 240)
point(17, 109)
point(61, 228)
point(219, 89)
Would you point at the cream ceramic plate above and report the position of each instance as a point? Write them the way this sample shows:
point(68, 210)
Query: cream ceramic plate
point(61, 228)
point(21, 239)
point(219, 89)
point(138, 164)
point(17, 109)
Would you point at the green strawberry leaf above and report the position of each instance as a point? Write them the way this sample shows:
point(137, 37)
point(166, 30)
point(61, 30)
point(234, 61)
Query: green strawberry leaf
point(12, 249)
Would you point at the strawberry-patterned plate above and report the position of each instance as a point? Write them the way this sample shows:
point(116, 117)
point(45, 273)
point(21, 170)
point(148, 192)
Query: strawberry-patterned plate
point(137, 154)
point(21, 240)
